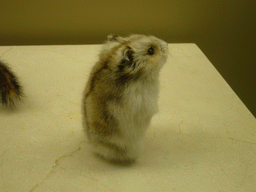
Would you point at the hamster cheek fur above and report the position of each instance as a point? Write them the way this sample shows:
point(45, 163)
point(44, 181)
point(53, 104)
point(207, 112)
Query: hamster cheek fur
point(121, 95)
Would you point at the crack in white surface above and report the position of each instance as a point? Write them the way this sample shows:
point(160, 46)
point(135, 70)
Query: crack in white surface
point(239, 140)
point(57, 163)
point(5, 52)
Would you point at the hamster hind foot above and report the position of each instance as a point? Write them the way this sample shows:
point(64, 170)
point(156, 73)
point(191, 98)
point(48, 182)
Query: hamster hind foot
point(10, 89)
point(113, 153)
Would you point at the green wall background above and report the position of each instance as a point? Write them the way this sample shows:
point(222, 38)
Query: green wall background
point(224, 30)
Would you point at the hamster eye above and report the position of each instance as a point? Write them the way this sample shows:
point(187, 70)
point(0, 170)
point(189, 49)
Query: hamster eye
point(151, 51)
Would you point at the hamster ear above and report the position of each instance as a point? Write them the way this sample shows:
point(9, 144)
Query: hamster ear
point(113, 37)
point(128, 54)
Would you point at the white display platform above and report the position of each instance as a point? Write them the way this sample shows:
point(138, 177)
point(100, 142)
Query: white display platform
point(202, 139)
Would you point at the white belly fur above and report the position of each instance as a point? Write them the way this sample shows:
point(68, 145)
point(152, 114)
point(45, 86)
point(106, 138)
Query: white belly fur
point(134, 113)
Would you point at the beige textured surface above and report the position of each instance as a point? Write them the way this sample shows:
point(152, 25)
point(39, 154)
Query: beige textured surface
point(202, 139)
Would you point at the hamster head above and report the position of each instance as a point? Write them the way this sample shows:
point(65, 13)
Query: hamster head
point(135, 55)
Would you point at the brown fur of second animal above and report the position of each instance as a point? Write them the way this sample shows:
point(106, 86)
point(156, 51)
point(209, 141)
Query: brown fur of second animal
point(121, 94)
point(10, 88)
